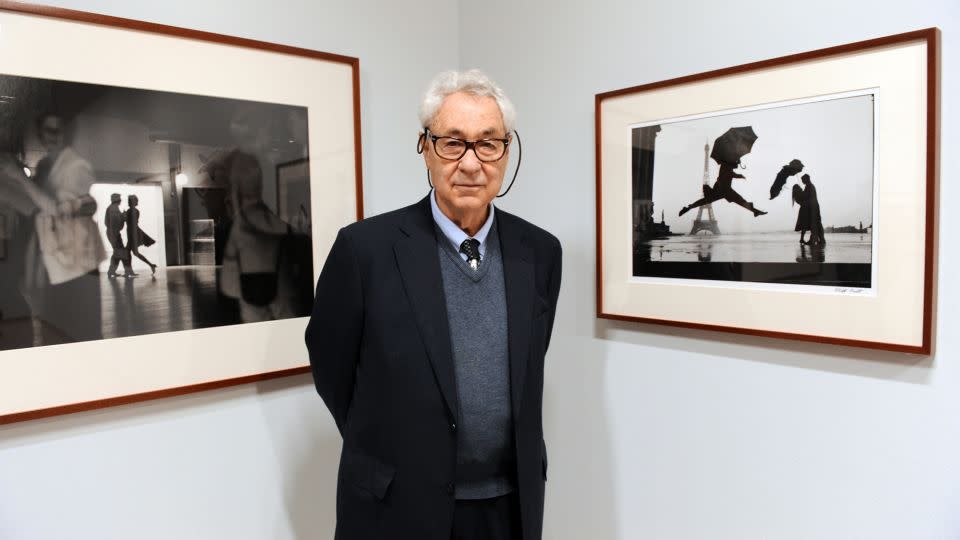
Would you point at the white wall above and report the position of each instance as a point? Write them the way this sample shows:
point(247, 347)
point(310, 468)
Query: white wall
point(653, 432)
point(259, 461)
point(658, 433)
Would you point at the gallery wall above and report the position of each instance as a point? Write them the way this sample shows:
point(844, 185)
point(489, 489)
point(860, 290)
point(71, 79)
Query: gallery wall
point(658, 433)
point(652, 432)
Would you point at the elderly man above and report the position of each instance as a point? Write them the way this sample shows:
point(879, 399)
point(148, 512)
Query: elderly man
point(427, 342)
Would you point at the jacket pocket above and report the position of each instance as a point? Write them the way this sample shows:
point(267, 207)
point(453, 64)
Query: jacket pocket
point(366, 472)
point(541, 306)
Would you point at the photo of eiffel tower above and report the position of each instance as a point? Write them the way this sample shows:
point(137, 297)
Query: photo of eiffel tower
point(709, 224)
point(729, 239)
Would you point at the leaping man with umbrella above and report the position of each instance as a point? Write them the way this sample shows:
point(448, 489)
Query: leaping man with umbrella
point(727, 151)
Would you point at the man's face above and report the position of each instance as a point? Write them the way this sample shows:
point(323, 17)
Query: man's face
point(466, 187)
point(51, 133)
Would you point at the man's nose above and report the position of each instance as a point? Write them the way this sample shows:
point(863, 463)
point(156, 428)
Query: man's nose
point(469, 162)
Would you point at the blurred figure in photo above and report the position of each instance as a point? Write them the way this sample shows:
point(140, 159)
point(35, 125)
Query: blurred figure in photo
point(253, 270)
point(63, 282)
point(20, 201)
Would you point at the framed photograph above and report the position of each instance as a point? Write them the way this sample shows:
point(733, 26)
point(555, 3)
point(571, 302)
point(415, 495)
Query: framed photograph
point(164, 214)
point(793, 197)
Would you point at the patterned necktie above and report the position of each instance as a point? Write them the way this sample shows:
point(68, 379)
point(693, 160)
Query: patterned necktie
point(471, 248)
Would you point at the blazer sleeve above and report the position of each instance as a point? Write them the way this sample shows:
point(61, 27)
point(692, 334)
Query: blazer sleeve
point(556, 270)
point(335, 329)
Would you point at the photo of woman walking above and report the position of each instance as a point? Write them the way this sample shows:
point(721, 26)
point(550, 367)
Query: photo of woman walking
point(135, 235)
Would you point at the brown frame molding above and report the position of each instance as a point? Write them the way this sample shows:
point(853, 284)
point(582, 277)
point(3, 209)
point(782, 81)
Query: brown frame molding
point(147, 396)
point(199, 35)
point(932, 38)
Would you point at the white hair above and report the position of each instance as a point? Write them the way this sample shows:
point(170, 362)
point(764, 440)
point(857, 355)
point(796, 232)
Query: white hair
point(474, 82)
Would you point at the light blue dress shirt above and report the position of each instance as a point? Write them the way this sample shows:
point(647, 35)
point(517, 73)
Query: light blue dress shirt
point(455, 234)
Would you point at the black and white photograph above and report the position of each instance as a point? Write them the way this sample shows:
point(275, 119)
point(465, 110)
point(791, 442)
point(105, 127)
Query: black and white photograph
point(127, 211)
point(779, 194)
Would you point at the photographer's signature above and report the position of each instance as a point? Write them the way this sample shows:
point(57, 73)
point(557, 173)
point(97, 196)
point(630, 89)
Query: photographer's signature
point(850, 290)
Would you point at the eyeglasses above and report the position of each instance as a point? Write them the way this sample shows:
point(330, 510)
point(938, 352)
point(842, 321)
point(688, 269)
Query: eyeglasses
point(452, 148)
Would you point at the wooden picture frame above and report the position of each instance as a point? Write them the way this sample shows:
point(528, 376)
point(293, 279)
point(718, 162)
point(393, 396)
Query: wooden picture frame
point(48, 380)
point(862, 118)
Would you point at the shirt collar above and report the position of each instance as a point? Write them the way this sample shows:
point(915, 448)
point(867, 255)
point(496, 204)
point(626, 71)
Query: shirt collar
point(455, 234)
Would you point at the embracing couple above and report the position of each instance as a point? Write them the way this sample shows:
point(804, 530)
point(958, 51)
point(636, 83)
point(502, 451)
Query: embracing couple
point(115, 220)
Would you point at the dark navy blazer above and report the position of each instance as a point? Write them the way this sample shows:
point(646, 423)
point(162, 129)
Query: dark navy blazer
point(381, 357)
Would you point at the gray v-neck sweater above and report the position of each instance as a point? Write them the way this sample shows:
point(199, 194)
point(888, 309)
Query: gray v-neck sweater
point(477, 314)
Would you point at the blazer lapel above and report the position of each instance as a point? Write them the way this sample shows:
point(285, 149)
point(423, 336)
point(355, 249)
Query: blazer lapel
point(419, 266)
point(518, 279)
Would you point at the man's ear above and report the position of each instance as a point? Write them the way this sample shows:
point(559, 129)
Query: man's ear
point(422, 141)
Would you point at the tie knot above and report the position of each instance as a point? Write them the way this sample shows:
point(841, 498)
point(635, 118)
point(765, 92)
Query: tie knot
point(471, 248)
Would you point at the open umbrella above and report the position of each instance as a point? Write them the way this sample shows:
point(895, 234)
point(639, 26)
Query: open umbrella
point(787, 171)
point(732, 145)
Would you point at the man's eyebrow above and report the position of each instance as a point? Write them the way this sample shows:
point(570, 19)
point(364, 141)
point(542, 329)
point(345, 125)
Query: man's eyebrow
point(485, 134)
